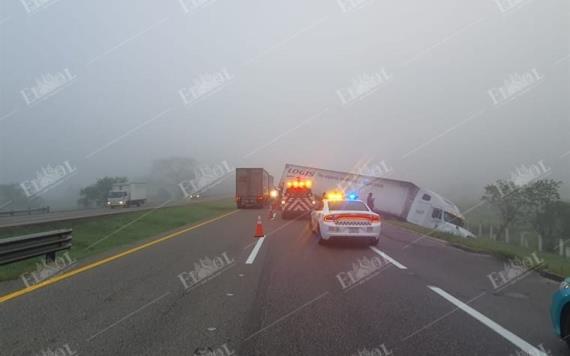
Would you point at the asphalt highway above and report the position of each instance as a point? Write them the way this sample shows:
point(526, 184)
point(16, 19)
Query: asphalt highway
point(64, 215)
point(284, 295)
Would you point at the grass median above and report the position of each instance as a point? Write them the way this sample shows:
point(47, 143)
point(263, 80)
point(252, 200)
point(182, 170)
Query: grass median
point(96, 235)
point(553, 264)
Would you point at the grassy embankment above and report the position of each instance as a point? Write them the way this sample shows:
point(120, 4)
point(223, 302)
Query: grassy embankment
point(554, 264)
point(96, 235)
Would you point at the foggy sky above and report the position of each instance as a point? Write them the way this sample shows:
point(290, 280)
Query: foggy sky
point(287, 61)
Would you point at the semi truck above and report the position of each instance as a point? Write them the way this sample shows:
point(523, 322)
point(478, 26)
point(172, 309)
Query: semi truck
point(126, 194)
point(392, 198)
point(253, 187)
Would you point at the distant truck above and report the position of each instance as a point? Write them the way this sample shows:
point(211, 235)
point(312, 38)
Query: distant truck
point(253, 187)
point(126, 194)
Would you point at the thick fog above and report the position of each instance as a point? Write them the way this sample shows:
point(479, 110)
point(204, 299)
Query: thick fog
point(425, 76)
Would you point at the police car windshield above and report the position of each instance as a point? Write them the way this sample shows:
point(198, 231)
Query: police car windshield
point(347, 205)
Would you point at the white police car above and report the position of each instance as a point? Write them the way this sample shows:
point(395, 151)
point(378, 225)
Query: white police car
point(345, 219)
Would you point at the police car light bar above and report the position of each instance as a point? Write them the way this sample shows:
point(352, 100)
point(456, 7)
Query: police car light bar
point(334, 196)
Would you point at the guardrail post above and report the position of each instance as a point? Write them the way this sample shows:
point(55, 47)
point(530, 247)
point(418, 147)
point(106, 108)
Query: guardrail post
point(480, 229)
point(50, 257)
point(539, 243)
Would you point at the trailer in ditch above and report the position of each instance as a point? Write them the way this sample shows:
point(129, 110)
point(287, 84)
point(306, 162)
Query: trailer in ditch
point(398, 199)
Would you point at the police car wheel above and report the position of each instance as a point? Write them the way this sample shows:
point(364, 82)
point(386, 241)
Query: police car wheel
point(320, 237)
point(374, 242)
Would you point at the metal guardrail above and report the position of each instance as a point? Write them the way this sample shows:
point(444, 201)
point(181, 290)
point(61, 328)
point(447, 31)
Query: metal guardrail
point(18, 248)
point(28, 211)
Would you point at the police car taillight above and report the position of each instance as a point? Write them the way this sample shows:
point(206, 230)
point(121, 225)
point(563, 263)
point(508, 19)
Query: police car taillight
point(329, 218)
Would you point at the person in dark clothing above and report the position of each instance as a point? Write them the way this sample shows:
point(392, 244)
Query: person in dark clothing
point(370, 201)
point(320, 203)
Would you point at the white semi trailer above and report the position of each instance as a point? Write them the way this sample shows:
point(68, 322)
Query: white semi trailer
point(395, 198)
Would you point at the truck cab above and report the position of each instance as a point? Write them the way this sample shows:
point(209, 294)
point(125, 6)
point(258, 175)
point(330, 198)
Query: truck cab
point(117, 198)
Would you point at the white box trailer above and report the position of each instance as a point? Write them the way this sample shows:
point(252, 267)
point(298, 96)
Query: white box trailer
point(395, 198)
point(127, 194)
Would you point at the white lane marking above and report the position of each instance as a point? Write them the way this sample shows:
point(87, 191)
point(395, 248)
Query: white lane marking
point(517, 341)
point(388, 258)
point(255, 250)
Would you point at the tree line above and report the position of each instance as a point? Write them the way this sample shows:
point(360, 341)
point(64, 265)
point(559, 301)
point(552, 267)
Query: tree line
point(536, 204)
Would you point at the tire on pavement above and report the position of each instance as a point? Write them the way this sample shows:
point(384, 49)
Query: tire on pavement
point(319, 236)
point(566, 325)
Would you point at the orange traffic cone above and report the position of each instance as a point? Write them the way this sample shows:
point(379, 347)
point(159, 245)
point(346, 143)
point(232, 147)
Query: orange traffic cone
point(259, 228)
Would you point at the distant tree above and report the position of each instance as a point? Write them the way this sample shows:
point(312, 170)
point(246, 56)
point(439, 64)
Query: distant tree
point(13, 197)
point(540, 194)
point(96, 194)
point(531, 203)
point(544, 210)
point(166, 175)
point(553, 223)
point(173, 170)
point(508, 199)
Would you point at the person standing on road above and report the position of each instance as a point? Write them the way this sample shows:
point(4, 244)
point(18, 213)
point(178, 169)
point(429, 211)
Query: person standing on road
point(274, 206)
point(370, 201)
